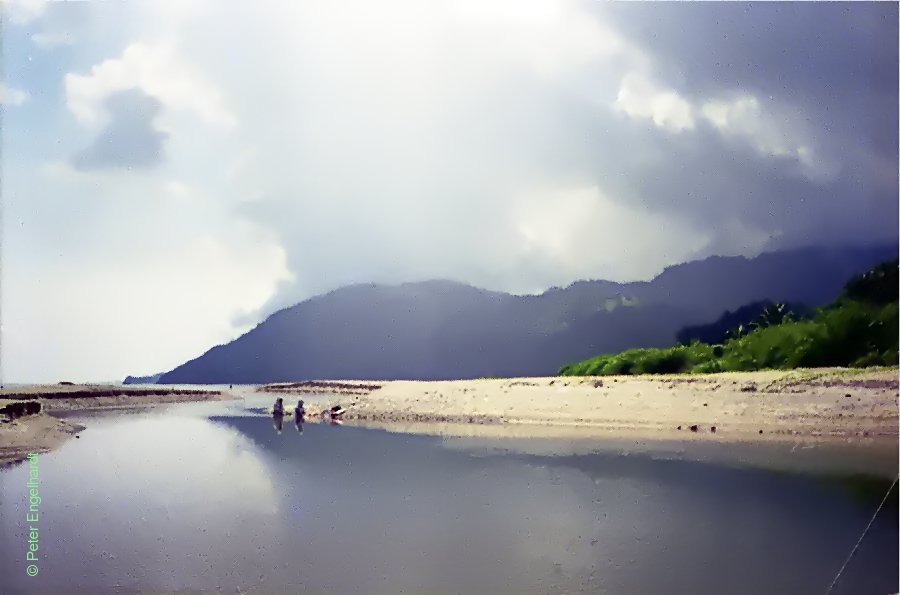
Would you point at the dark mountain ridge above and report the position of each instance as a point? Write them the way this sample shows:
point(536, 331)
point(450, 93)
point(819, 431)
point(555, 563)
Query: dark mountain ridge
point(445, 330)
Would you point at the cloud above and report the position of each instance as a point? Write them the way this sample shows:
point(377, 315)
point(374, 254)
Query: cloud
point(769, 132)
point(579, 229)
point(641, 98)
point(12, 97)
point(129, 138)
point(393, 147)
point(156, 70)
point(554, 37)
point(744, 117)
point(49, 40)
point(22, 12)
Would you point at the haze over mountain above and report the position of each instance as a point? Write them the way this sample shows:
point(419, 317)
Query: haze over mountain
point(443, 329)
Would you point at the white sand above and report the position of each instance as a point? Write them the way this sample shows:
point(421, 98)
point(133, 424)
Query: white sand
point(808, 403)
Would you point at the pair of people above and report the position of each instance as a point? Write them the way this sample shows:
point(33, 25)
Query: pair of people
point(278, 409)
point(278, 415)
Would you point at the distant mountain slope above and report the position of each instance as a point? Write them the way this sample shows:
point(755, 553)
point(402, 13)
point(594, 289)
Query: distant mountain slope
point(741, 321)
point(152, 379)
point(858, 329)
point(442, 329)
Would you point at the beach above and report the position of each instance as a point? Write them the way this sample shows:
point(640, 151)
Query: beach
point(821, 404)
point(858, 408)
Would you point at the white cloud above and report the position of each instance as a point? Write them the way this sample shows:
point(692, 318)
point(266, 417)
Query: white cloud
point(11, 96)
point(47, 40)
point(22, 12)
point(157, 70)
point(770, 133)
point(640, 97)
point(580, 229)
point(554, 36)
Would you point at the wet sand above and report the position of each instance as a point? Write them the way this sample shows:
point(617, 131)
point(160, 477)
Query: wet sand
point(33, 434)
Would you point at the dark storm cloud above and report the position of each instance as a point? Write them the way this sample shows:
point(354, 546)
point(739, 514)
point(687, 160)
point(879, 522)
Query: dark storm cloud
point(831, 66)
point(129, 139)
point(816, 50)
point(836, 60)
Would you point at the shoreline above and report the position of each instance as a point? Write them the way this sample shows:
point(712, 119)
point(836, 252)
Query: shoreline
point(38, 433)
point(857, 409)
point(67, 397)
point(44, 432)
point(830, 405)
point(842, 421)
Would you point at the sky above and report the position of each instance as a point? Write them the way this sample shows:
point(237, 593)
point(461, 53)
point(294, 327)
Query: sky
point(173, 172)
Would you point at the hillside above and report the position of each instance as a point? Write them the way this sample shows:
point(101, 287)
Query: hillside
point(858, 329)
point(446, 330)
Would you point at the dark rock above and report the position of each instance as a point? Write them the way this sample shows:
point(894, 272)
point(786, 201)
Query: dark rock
point(21, 409)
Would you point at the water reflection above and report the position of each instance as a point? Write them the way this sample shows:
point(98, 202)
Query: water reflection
point(163, 503)
point(143, 502)
point(299, 416)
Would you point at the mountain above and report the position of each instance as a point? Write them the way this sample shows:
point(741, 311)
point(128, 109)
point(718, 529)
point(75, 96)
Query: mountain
point(741, 321)
point(152, 379)
point(443, 329)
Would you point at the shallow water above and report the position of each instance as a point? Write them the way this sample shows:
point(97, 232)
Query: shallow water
point(211, 496)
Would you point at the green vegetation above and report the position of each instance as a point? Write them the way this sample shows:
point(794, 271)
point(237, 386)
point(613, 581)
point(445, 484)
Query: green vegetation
point(671, 360)
point(858, 329)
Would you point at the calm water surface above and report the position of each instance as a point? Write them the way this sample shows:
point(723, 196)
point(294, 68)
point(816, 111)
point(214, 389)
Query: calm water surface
point(213, 497)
